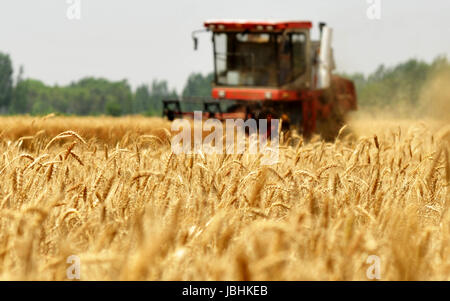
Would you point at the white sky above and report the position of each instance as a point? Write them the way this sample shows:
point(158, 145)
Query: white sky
point(144, 39)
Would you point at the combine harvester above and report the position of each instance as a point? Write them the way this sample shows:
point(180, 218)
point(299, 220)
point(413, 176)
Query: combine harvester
point(267, 70)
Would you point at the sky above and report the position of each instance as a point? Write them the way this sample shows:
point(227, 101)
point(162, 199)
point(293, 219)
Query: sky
point(142, 40)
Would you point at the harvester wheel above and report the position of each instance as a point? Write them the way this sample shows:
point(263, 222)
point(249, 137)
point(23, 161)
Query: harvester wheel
point(170, 115)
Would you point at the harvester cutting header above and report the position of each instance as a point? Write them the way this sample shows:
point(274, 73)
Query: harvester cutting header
point(272, 69)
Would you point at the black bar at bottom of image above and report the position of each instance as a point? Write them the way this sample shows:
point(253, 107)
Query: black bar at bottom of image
point(225, 290)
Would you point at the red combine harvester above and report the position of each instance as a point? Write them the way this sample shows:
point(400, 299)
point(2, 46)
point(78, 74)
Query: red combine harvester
point(271, 69)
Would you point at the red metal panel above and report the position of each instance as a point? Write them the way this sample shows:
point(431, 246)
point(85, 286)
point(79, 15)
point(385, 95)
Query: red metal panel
point(245, 24)
point(255, 94)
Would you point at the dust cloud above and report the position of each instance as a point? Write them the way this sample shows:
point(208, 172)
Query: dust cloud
point(431, 111)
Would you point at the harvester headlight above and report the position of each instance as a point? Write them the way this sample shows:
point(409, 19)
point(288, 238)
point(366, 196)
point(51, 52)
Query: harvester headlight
point(221, 93)
point(270, 27)
point(259, 27)
point(268, 95)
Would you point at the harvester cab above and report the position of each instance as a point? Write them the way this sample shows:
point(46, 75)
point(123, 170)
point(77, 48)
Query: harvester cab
point(270, 68)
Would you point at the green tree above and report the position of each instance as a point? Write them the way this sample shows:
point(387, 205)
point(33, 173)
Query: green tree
point(198, 85)
point(141, 99)
point(113, 108)
point(6, 81)
point(91, 96)
point(26, 94)
point(19, 102)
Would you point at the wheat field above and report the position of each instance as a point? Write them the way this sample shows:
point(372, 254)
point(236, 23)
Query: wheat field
point(110, 191)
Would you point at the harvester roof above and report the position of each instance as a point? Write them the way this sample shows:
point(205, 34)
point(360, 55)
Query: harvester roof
point(255, 24)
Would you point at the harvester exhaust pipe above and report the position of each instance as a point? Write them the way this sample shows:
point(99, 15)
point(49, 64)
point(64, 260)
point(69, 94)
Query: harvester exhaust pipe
point(325, 58)
point(321, 26)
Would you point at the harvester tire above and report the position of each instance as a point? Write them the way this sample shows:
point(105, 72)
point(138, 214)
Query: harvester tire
point(329, 128)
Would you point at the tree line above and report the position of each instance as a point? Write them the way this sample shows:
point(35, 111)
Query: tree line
point(402, 83)
point(89, 96)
